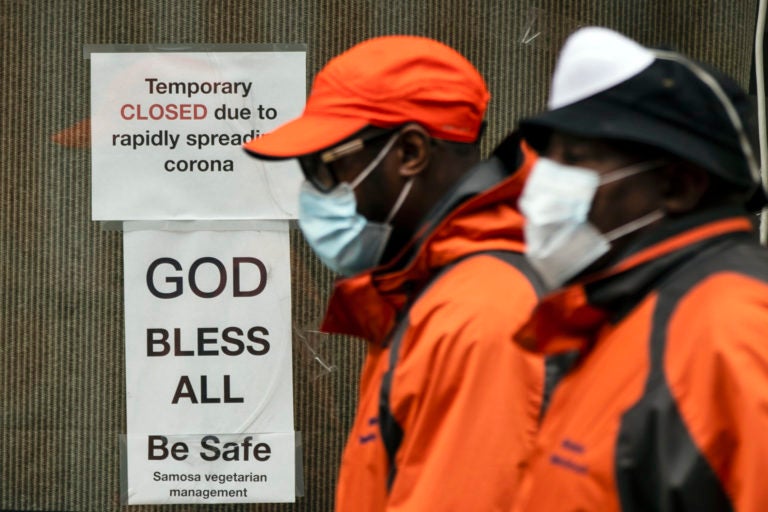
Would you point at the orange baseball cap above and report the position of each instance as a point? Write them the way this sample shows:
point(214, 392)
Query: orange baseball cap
point(385, 81)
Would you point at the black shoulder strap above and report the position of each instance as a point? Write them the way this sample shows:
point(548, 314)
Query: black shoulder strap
point(391, 432)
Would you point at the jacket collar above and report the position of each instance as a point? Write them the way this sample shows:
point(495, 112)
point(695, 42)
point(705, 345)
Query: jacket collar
point(569, 319)
point(479, 214)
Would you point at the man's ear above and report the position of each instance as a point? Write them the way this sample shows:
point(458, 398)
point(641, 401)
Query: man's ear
point(684, 187)
point(415, 150)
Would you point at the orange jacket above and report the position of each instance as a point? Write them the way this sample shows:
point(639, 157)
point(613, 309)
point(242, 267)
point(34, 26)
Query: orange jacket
point(442, 388)
point(667, 407)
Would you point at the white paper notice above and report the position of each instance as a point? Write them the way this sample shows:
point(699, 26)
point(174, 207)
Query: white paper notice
point(209, 387)
point(167, 130)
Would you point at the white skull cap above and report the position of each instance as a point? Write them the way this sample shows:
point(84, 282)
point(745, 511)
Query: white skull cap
point(592, 60)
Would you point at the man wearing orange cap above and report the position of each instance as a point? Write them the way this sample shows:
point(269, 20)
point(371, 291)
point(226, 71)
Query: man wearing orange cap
point(429, 242)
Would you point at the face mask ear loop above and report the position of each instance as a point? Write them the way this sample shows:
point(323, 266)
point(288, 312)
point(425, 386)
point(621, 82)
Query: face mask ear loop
point(400, 200)
point(371, 166)
point(636, 224)
point(630, 170)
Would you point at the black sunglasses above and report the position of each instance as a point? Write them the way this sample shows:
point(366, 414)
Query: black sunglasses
point(317, 168)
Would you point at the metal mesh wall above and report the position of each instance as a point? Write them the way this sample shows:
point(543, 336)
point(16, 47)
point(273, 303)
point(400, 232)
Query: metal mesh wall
point(61, 318)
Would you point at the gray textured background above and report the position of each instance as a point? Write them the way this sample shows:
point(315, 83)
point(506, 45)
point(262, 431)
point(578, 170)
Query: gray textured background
point(61, 318)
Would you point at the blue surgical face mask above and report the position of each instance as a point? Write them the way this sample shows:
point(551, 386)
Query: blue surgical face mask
point(343, 239)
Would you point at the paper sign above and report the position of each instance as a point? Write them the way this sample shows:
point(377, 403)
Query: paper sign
point(167, 130)
point(209, 388)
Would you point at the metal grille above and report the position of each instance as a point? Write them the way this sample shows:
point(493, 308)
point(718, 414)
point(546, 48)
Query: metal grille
point(61, 316)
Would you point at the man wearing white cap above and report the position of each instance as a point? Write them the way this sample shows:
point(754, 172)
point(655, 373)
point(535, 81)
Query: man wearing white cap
point(635, 215)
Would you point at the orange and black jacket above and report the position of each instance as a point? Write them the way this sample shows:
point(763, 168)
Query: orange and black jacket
point(448, 406)
point(666, 408)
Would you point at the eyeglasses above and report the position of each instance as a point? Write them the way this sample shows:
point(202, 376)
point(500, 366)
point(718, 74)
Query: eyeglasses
point(317, 167)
